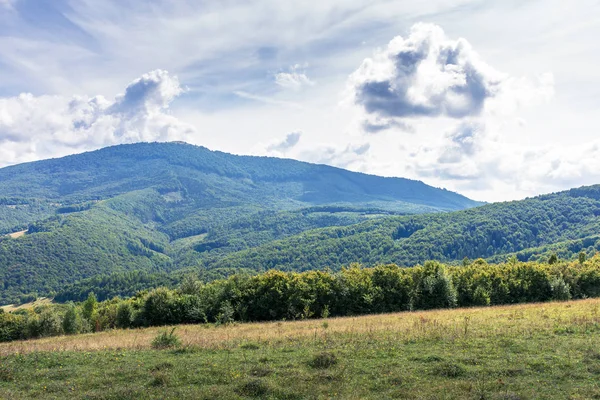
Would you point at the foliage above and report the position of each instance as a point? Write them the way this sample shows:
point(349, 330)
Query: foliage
point(125, 315)
point(161, 208)
point(165, 340)
point(90, 306)
point(277, 295)
point(564, 223)
point(72, 322)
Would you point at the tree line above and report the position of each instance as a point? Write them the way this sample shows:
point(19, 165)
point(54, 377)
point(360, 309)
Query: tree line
point(277, 295)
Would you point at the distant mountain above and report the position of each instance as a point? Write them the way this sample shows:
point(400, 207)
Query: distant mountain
point(163, 206)
point(564, 223)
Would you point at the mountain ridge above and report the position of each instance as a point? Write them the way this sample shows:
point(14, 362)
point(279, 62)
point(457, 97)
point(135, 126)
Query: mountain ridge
point(150, 207)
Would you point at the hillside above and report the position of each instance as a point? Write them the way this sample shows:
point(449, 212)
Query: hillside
point(193, 174)
point(161, 206)
point(565, 223)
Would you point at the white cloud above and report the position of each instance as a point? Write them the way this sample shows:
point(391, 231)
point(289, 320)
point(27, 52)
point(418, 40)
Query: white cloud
point(477, 160)
point(33, 127)
point(427, 82)
point(285, 144)
point(430, 75)
point(295, 79)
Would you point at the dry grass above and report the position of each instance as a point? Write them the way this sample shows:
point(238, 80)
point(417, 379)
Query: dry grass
point(16, 235)
point(523, 320)
point(39, 302)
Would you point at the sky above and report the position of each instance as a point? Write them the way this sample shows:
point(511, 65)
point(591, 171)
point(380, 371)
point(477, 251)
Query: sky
point(497, 100)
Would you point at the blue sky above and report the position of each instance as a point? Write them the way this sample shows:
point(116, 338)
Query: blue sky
point(495, 99)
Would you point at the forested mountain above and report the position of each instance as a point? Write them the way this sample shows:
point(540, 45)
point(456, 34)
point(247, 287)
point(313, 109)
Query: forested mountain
point(200, 178)
point(565, 223)
point(134, 216)
point(161, 206)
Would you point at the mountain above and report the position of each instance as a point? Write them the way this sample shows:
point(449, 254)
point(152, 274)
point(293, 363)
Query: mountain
point(158, 207)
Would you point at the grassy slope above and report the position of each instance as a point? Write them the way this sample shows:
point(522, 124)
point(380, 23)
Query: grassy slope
point(531, 351)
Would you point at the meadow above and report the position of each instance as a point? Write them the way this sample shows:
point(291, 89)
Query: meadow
point(526, 351)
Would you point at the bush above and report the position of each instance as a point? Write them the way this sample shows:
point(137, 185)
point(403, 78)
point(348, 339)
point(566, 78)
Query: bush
point(72, 323)
point(12, 327)
point(124, 315)
point(49, 324)
point(560, 289)
point(323, 360)
point(435, 288)
point(157, 307)
point(481, 297)
point(90, 306)
point(226, 315)
point(166, 340)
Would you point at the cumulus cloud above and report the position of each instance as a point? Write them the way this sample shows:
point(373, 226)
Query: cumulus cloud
point(474, 158)
point(281, 146)
point(33, 127)
point(429, 75)
point(427, 81)
point(295, 79)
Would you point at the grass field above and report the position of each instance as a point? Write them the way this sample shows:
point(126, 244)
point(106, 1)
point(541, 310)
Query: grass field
point(38, 302)
point(534, 351)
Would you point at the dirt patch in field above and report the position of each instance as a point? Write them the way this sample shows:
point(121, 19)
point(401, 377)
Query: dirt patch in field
point(15, 235)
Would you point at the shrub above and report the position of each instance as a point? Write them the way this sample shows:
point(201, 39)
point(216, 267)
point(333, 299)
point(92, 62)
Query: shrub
point(49, 323)
point(124, 315)
point(190, 285)
point(481, 297)
point(157, 307)
point(27, 298)
point(560, 289)
point(226, 316)
point(89, 307)
point(435, 288)
point(165, 340)
point(72, 323)
point(12, 327)
point(323, 360)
